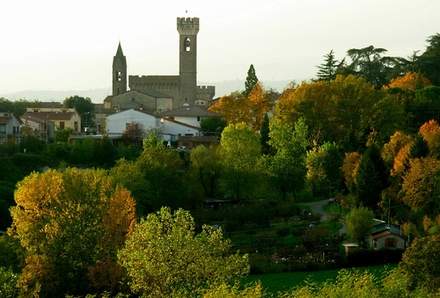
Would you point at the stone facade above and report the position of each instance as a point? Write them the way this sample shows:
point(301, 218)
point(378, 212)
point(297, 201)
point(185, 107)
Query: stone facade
point(180, 88)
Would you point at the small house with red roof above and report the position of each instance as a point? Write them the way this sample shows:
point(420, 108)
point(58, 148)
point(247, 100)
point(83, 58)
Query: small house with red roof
point(385, 235)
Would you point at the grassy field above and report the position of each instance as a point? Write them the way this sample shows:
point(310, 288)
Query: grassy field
point(278, 282)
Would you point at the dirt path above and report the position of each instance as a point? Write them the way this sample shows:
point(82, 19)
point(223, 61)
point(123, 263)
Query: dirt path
point(318, 207)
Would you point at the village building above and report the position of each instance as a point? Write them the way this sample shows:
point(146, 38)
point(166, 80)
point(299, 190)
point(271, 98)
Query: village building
point(44, 121)
point(9, 128)
point(386, 235)
point(156, 93)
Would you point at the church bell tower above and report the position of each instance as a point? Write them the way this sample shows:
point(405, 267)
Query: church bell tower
point(188, 29)
point(119, 72)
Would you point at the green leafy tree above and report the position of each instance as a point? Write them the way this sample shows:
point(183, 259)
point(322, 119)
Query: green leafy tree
point(71, 224)
point(213, 126)
point(240, 150)
point(287, 168)
point(104, 152)
point(84, 107)
point(131, 176)
point(421, 265)
point(265, 138)
point(205, 161)
point(63, 135)
point(82, 152)
point(359, 222)
point(251, 81)
point(165, 257)
point(150, 175)
point(324, 166)
point(17, 106)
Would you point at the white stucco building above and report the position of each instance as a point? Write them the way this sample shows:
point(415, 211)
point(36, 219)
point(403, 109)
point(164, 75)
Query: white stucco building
point(169, 129)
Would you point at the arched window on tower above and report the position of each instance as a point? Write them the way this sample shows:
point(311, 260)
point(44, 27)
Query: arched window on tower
point(187, 44)
point(119, 76)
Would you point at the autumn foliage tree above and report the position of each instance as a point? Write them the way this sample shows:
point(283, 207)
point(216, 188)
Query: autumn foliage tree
point(234, 108)
point(71, 224)
point(430, 132)
point(135, 132)
point(259, 105)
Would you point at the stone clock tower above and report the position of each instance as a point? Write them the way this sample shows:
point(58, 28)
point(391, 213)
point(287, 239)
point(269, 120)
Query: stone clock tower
point(188, 29)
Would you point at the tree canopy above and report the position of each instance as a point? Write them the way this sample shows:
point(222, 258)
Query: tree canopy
point(71, 224)
point(166, 257)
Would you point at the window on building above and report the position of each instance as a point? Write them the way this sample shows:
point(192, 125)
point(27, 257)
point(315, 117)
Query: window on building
point(75, 126)
point(62, 125)
point(198, 118)
point(390, 242)
point(187, 44)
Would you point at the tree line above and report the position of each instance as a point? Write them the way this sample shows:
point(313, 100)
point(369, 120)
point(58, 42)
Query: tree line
point(371, 137)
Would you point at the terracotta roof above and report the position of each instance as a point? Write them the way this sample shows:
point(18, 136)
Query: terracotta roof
point(380, 235)
point(190, 111)
point(46, 104)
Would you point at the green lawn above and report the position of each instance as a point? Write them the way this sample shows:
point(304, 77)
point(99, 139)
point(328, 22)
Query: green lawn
point(278, 282)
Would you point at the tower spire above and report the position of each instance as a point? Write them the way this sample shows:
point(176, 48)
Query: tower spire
point(119, 72)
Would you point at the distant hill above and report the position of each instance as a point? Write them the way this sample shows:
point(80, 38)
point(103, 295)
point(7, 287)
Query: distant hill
point(99, 94)
point(96, 95)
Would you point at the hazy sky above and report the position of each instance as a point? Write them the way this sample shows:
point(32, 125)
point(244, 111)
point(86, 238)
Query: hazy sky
point(69, 45)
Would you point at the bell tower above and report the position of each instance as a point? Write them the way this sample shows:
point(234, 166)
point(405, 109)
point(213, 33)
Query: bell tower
point(188, 29)
point(119, 72)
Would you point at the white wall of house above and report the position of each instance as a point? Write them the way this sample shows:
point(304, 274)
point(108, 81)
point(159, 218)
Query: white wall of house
point(193, 121)
point(178, 129)
point(170, 130)
point(381, 242)
point(117, 123)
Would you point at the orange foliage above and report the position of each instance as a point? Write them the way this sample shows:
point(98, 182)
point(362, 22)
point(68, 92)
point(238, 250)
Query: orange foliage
point(401, 161)
point(430, 132)
point(118, 224)
point(409, 82)
point(234, 109)
point(259, 105)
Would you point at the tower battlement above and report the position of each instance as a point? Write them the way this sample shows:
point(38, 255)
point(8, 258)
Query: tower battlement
point(188, 26)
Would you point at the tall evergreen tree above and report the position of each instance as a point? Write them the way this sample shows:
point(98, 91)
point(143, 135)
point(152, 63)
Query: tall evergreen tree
point(251, 81)
point(371, 178)
point(327, 70)
point(264, 133)
point(430, 60)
